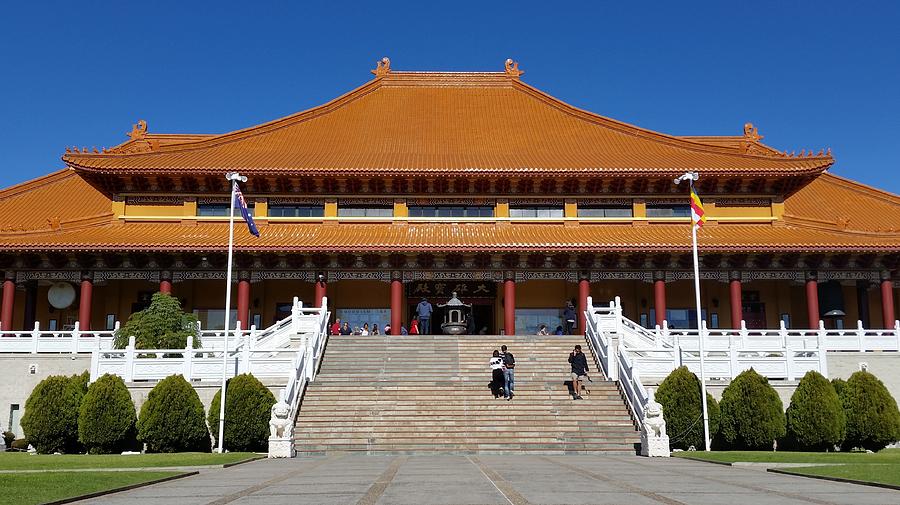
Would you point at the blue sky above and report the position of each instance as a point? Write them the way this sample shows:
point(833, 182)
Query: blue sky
point(809, 75)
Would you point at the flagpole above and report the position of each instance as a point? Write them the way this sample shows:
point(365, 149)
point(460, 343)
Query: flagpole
point(233, 177)
point(691, 177)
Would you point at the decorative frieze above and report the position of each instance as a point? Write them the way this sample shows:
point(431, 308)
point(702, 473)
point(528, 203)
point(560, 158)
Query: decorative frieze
point(49, 275)
point(126, 275)
point(622, 275)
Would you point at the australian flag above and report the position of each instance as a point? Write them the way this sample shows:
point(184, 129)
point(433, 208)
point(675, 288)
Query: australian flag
point(245, 212)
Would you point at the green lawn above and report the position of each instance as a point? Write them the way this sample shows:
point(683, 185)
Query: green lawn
point(25, 461)
point(882, 467)
point(884, 474)
point(35, 488)
point(886, 456)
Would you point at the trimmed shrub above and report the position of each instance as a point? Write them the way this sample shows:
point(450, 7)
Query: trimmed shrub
point(172, 419)
point(106, 420)
point(679, 394)
point(20, 444)
point(815, 418)
point(752, 416)
point(162, 325)
point(50, 421)
point(873, 420)
point(838, 385)
point(248, 405)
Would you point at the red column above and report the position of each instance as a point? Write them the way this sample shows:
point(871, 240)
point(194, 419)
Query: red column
point(659, 300)
point(812, 302)
point(243, 303)
point(509, 306)
point(9, 298)
point(165, 286)
point(584, 291)
point(887, 302)
point(84, 306)
point(320, 291)
point(396, 306)
point(737, 308)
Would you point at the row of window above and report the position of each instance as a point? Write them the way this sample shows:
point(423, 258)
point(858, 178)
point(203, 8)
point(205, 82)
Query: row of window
point(515, 211)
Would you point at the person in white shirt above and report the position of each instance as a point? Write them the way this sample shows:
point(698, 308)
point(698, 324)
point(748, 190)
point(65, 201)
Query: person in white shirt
point(497, 378)
point(365, 330)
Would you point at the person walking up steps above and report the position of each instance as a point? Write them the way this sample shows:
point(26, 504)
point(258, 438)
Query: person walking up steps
point(509, 376)
point(424, 310)
point(496, 364)
point(579, 371)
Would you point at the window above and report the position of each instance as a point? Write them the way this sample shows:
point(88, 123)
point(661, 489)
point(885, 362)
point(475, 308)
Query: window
point(451, 211)
point(214, 319)
point(536, 211)
point(358, 317)
point(219, 209)
point(529, 320)
point(296, 210)
point(366, 211)
point(669, 210)
point(604, 211)
point(680, 319)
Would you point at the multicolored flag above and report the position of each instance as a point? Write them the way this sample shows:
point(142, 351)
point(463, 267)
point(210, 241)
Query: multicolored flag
point(241, 204)
point(698, 216)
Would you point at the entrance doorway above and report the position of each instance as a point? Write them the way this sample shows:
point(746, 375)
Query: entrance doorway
point(753, 311)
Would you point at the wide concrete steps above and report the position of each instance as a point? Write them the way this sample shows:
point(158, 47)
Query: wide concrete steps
point(429, 394)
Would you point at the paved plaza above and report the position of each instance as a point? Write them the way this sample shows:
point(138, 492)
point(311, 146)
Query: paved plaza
point(496, 480)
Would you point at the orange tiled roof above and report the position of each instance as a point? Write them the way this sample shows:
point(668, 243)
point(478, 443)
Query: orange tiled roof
point(60, 199)
point(436, 123)
point(440, 237)
point(833, 202)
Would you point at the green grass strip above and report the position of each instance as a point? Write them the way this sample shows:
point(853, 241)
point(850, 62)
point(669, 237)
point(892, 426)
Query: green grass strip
point(36, 488)
point(24, 461)
point(886, 474)
point(887, 456)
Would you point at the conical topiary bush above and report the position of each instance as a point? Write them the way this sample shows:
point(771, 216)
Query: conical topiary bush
point(873, 420)
point(815, 417)
point(172, 418)
point(248, 404)
point(679, 394)
point(106, 420)
point(752, 416)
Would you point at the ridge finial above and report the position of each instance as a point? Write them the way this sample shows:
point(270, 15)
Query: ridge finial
point(751, 133)
point(139, 130)
point(512, 68)
point(383, 67)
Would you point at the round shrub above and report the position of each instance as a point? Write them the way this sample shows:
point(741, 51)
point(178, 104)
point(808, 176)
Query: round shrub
point(751, 413)
point(872, 417)
point(248, 404)
point(162, 325)
point(106, 420)
point(172, 419)
point(815, 418)
point(679, 394)
point(50, 421)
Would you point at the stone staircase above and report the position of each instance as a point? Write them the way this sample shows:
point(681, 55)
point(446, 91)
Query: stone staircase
point(429, 394)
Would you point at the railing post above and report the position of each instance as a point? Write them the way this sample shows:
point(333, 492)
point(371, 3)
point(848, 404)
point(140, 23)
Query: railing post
point(95, 361)
point(310, 367)
point(295, 316)
point(75, 335)
point(188, 359)
point(744, 334)
point(612, 356)
point(861, 336)
point(897, 333)
point(35, 333)
point(789, 360)
point(129, 360)
point(822, 350)
point(245, 356)
point(617, 312)
point(657, 340)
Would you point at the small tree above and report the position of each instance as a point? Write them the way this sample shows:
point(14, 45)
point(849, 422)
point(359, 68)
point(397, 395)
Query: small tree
point(815, 418)
point(873, 420)
point(679, 394)
point(247, 409)
point(172, 418)
point(752, 416)
point(162, 325)
point(106, 420)
point(50, 421)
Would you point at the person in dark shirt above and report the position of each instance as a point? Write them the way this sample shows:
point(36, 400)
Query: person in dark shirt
point(345, 329)
point(423, 311)
point(509, 376)
point(579, 371)
point(569, 318)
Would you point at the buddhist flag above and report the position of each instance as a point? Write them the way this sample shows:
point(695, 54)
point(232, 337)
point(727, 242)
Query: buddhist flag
point(241, 204)
point(698, 216)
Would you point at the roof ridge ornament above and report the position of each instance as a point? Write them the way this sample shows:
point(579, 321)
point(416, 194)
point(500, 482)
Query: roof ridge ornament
point(383, 67)
point(751, 133)
point(139, 130)
point(512, 68)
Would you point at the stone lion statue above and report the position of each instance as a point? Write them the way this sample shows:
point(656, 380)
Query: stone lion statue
point(279, 423)
point(653, 418)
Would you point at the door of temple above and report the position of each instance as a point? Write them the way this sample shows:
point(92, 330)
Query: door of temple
point(753, 311)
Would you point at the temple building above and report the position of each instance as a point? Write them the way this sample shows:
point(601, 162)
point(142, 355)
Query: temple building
point(419, 184)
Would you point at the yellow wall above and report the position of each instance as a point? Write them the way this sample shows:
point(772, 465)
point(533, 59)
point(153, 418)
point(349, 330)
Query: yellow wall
point(154, 210)
point(736, 211)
